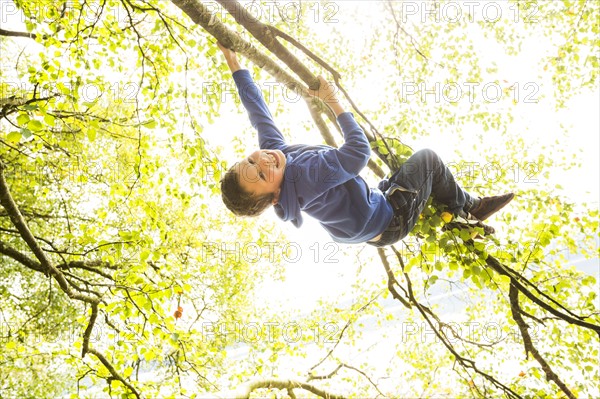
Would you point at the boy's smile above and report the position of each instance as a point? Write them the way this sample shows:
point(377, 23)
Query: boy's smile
point(262, 172)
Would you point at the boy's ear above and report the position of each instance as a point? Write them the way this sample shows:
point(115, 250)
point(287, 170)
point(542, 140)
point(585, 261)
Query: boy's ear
point(276, 196)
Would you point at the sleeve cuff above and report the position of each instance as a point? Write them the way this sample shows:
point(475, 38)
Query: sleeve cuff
point(346, 121)
point(240, 73)
point(345, 115)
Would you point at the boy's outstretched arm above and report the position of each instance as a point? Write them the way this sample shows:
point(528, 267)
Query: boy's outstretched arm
point(354, 154)
point(269, 136)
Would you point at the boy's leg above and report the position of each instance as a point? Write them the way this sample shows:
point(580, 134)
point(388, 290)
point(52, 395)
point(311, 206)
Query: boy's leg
point(425, 174)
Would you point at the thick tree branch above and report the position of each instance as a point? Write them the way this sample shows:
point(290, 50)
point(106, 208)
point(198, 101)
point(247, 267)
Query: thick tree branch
point(91, 266)
point(336, 75)
point(273, 383)
point(265, 35)
point(113, 372)
point(17, 219)
point(315, 113)
point(535, 288)
point(10, 33)
point(505, 271)
point(515, 308)
point(21, 258)
point(436, 325)
point(391, 279)
point(201, 15)
point(46, 265)
point(11, 104)
point(85, 348)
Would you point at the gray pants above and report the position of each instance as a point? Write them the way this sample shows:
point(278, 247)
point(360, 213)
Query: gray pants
point(408, 189)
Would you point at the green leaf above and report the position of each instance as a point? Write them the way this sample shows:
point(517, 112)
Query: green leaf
point(26, 133)
point(91, 134)
point(144, 255)
point(22, 119)
point(35, 125)
point(13, 137)
point(127, 372)
point(49, 120)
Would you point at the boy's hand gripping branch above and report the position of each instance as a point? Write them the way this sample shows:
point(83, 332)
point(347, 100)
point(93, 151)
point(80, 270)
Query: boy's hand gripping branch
point(327, 93)
point(230, 58)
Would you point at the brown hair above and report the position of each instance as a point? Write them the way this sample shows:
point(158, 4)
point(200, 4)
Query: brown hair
point(240, 202)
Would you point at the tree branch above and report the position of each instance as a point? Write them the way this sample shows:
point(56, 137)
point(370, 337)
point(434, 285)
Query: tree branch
point(515, 308)
point(391, 279)
point(91, 266)
point(201, 15)
point(266, 34)
point(273, 383)
point(10, 33)
point(21, 258)
point(346, 326)
point(266, 37)
point(46, 265)
point(113, 372)
point(506, 271)
point(17, 219)
point(413, 41)
point(427, 314)
point(344, 365)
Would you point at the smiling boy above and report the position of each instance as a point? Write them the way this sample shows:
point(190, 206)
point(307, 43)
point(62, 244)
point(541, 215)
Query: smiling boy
point(262, 173)
point(324, 182)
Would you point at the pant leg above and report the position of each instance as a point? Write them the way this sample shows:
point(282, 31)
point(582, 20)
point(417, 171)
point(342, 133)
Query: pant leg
point(425, 174)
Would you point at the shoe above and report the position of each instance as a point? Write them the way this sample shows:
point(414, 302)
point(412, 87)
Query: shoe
point(487, 206)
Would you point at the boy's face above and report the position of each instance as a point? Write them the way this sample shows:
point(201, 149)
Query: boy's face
point(262, 172)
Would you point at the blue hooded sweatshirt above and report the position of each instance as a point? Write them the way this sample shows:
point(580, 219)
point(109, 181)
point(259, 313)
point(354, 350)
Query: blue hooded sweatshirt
point(319, 180)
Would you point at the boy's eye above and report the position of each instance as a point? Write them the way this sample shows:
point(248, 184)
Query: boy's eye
point(250, 161)
point(261, 175)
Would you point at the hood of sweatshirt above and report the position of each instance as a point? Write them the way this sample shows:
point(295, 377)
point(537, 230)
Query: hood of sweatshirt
point(288, 208)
